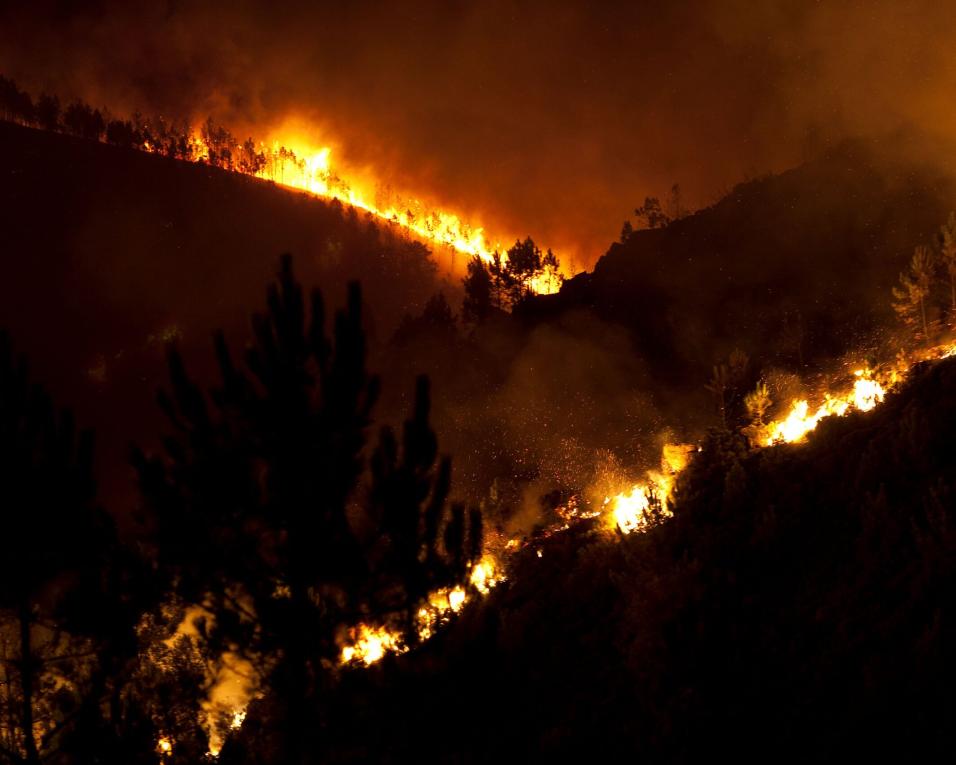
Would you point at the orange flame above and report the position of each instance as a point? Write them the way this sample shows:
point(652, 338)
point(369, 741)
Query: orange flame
point(298, 164)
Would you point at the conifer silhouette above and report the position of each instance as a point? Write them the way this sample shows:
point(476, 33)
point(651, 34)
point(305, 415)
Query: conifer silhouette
point(59, 581)
point(255, 498)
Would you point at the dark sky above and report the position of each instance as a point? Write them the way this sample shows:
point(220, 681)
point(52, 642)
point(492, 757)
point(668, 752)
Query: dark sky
point(550, 118)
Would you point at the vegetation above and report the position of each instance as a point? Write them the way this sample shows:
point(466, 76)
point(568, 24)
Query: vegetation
point(508, 281)
point(253, 502)
point(914, 291)
point(171, 138)
point(796, 603)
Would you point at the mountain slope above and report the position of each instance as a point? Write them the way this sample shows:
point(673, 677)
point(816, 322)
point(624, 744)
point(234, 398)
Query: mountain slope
point(794, 269)
point(798, 605)
point(108, 253)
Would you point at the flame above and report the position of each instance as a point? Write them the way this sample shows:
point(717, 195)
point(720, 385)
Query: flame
point(164, 747)
point(366, 644)
point(630, 510)
point(485, 574)
point(298, 164)
point(866, 393)
point(370, 644)
point(231, 684)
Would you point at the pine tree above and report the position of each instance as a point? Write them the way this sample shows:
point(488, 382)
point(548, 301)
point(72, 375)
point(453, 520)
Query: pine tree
point(719, 385)
point(652, 213)
point(476, 306)
point(627, 231)
point(947, 253)
point(57, 569)
point(551, 271)
point(757, 403)
point(499, 279)
point(255, 496)
point(913, 292)
point(524, 264)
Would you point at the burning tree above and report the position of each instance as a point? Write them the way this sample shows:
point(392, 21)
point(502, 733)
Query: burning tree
point(513, 277)
point(256, 504)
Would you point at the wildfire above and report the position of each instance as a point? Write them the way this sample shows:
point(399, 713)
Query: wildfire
point(369, 644)
point(366, 644)
point(164, 747)
point(300, 165)
point(485, 574)
point(866, 393)
point(629, 511)
point(800, 420)
point(635, 509)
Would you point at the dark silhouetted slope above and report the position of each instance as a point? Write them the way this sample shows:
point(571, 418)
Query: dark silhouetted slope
point(108, 253)
point(813, 251)
point(798, 606)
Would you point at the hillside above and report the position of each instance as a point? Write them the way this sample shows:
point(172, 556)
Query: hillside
point(794, 269)
point(108, 253)
point(816, 575)
point(795, 607)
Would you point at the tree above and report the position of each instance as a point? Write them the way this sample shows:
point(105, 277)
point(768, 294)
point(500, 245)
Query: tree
point(82, 120)
point(499, 279)
point(757, 403)
point(15, 104)
point(551, 277)
point(435, 321)
point(947, 253)
point(676, 203)
point(437, 312)
point(121, 133)
point(913, 291)
point(652, 213)
point(476, 307)
point(48, 112)
point(255, 499)
point(249, 160)
point(524, 264)
point(59, 588)
point(627, 231)
point(220, 143)
point(719, 385)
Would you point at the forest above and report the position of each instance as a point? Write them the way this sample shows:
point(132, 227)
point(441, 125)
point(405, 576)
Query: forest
point(290, 481)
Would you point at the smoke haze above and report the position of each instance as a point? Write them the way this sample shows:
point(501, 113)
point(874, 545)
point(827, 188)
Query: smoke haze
point(554, 119)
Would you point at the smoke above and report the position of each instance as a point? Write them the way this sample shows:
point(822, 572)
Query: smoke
point(553, 119)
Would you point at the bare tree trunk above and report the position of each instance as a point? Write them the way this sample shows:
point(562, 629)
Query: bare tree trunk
point(26, 686)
